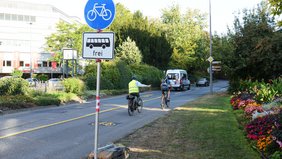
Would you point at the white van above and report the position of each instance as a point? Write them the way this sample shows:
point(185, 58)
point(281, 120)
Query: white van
point(178, 79)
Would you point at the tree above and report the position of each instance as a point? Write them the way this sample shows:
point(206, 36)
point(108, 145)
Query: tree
point(67, 36)
point(17, 73)
point(129, 52)
point(257, 53)
point(183, 32)
point(276, 8)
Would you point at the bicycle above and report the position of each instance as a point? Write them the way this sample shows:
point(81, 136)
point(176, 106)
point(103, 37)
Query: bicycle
point(106, 14)
point(134, 104)
point(165, 101)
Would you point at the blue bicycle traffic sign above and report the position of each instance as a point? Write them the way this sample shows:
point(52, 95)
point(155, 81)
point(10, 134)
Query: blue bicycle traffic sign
point(99, 14)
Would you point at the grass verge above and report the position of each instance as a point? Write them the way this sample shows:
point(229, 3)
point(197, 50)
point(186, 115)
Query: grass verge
point(203, 129)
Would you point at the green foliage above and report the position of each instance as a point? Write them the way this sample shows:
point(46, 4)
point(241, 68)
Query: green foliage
point(184, 32)
point(17, 73)
point(16, 102)
point(264, 93)
point(276, 155)
point(57, 57)
point(147, 74)
point(129, 52)
point(257, 54)
point(277, 85)
point(74, 85)
point(13, 86)
point(90, 80)
point(42, 77)
point(276, 8)
point(47, 99)
point(114, 74)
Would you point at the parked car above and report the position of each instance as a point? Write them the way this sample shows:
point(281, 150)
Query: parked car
point(32, 81)
point(55, 83)
point(203, 82)
point(178, 79)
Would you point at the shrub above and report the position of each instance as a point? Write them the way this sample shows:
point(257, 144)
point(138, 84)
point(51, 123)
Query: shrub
point(17, 73)
point(277, 85)
point(90, 80)
point(13, 86)
point(42, 77)
point(147, 74)
point(47, 99)
point(264, 93)
point(74, 85)
point(16, 102)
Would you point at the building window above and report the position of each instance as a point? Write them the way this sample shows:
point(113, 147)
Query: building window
point(20, 17)
point(1, 16)
point(45, 63)
point(4, 63)
point(32, 18)
point(9, 63)
point(14, 17)
point(50, 64)
point(7, 16)
point(26, 18)
point(39, 65)
point(21, 63)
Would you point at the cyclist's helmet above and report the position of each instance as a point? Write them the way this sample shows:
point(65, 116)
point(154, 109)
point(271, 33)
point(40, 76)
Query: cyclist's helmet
point(133, 77)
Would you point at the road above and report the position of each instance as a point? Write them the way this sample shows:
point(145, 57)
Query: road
point(68, 131)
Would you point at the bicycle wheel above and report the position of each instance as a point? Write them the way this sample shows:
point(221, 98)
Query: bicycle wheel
point(130, 109)
point(107, 14)
point(140, 107)
point(91, 15)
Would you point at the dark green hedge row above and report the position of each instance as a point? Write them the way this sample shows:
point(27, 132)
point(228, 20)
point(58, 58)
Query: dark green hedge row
point(117, 75)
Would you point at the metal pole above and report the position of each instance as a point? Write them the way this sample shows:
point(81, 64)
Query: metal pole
point(63, 68)
point(97, 108)
point(211, 84)
point(72, 67)
point(30, 65)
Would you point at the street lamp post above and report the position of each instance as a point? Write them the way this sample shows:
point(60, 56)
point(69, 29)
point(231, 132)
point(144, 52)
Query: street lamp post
point(211, 84)
point(30, 63)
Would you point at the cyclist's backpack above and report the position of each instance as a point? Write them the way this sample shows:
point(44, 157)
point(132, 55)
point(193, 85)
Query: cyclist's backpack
point(164, 86)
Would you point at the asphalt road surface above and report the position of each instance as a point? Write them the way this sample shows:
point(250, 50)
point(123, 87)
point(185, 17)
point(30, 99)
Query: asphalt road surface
point(68, 131)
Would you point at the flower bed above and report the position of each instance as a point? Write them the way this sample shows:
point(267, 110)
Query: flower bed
point(264, 120)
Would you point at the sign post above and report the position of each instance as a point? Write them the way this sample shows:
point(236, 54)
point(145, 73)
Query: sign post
point(98, 14)
point(69, 54)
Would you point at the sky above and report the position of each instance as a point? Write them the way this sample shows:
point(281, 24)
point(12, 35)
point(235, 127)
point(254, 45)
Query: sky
point(222, 11)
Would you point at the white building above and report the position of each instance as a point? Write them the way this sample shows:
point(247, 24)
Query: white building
point(23, 29)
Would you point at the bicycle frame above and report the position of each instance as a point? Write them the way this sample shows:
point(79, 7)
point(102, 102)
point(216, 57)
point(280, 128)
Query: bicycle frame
point(102, 12)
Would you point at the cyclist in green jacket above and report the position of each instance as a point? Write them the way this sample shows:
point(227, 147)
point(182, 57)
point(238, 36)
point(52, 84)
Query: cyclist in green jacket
point(133, 86)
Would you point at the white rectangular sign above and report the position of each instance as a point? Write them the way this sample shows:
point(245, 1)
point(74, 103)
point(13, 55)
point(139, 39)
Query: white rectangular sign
point(98, 45)
point(69, 54)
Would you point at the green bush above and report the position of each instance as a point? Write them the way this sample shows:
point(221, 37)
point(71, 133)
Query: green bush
point(13, 86)
point(114, 75)
point(74, 85)
point(277, 85)
point(65, 97)
point(47, 99)
point(147, 74)
point(264, 93)
point(16, 102)
point(117, 75)
point(17, 73)
point(90, 80)
point(42, 77)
